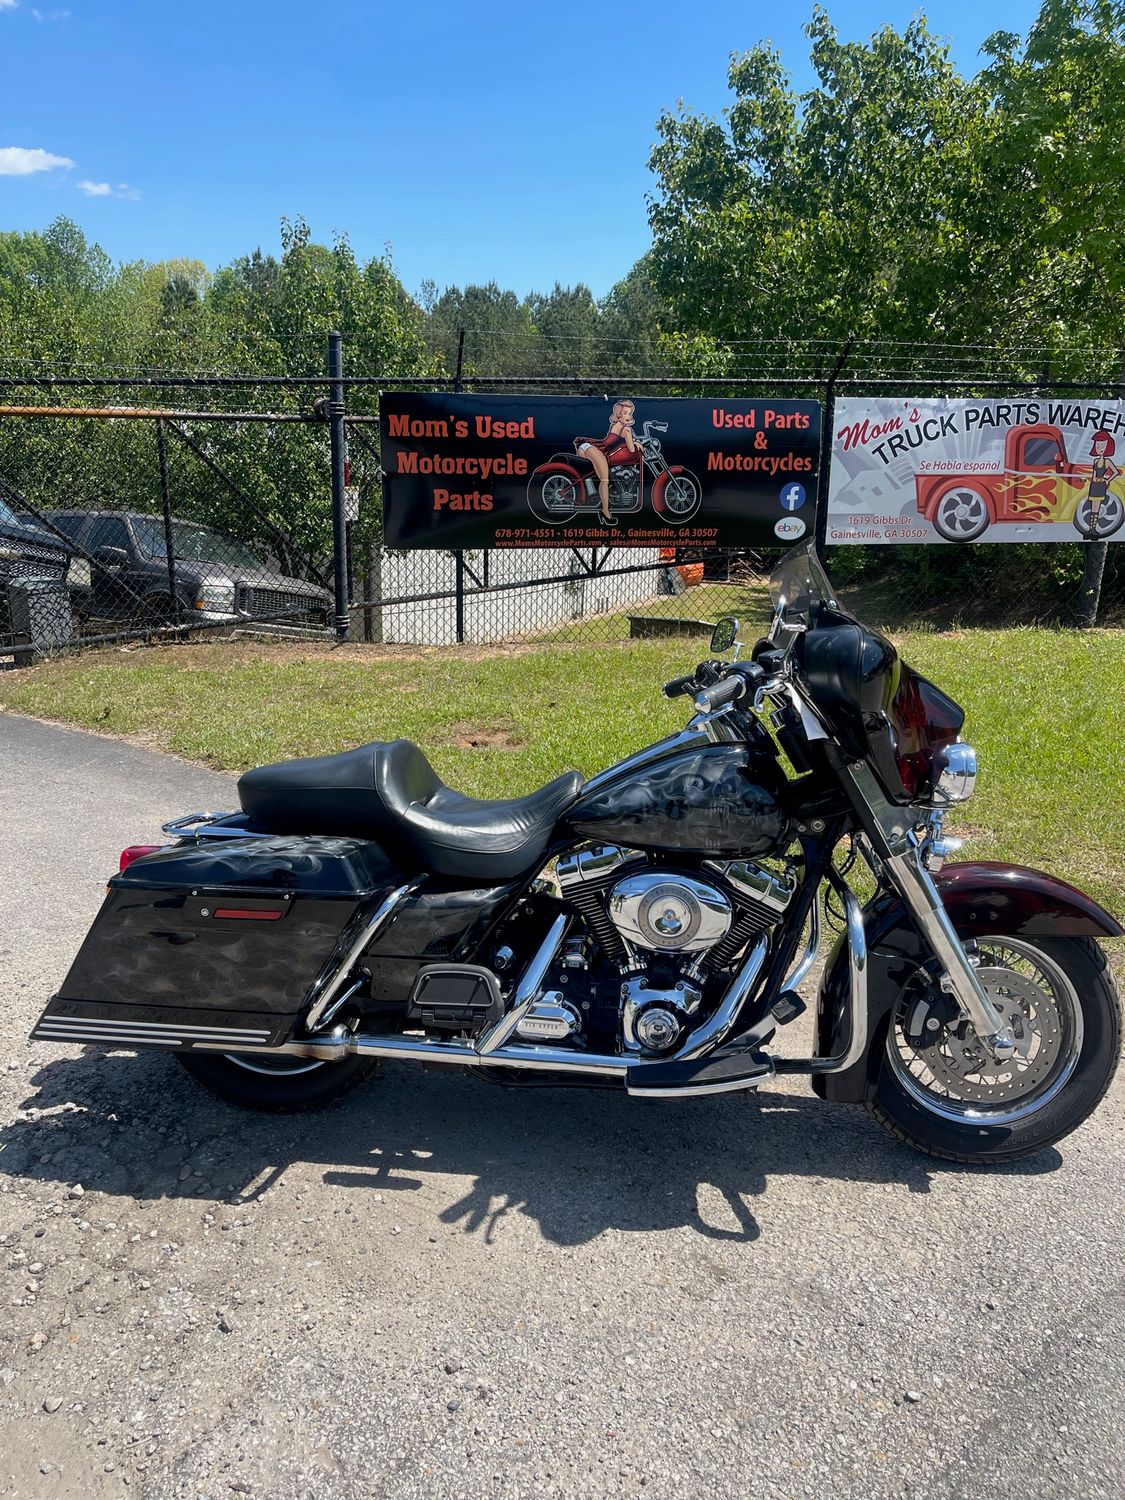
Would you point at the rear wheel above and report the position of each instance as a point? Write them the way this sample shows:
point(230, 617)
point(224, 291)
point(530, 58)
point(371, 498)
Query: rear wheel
point(276, 1081)
point(939, 1090)
point(962, 514)
point(554, 498)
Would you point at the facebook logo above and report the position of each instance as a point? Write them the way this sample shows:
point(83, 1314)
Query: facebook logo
point(792, 496)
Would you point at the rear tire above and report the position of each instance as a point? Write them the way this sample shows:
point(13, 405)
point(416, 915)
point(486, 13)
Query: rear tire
point(1097, 1031)
point(259, 1081)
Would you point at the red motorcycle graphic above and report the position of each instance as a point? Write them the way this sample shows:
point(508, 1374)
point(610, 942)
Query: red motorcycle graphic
point(567, 485)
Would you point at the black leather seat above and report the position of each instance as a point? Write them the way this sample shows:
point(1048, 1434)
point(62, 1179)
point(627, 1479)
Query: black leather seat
point(391, 793)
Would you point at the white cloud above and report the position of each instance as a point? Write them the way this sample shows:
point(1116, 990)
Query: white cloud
point(44, 15)
point(8, 4)
point(107, 190)
point(21, 161)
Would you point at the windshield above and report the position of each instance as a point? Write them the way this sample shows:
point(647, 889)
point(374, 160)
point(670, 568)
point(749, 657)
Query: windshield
point(798, 582)
point(194, 544)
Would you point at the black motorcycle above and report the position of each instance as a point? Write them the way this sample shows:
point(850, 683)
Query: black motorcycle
point(642, 930)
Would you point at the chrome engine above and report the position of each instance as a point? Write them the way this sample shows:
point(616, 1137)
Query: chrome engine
point(667, 932)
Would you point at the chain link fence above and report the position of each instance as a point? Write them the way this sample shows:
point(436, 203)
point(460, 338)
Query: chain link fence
point(172, 506)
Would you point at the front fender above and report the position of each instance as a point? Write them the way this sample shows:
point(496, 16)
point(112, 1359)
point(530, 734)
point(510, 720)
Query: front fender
point(983, 899)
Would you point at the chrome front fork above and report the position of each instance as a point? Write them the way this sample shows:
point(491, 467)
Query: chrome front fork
point(914, 883)
point(901, 860)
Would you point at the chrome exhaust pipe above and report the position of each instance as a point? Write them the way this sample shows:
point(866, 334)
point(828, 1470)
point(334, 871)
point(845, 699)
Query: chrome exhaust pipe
point(340, 1044)
point(714, 1030)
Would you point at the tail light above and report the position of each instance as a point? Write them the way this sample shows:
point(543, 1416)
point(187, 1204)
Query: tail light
point(137, 851)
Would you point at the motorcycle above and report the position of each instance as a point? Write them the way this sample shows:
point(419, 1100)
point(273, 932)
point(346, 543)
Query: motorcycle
point(646, 930)
point(567, 485)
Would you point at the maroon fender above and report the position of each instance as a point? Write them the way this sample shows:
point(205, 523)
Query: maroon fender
point(1012, 901)
point(562, 466)
point(984, 899)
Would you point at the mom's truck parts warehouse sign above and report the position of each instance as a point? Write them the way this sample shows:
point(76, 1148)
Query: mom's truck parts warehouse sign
point(1038, 470)
point(568, 471)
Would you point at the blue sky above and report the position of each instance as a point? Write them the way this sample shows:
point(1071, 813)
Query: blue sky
point(476, 140)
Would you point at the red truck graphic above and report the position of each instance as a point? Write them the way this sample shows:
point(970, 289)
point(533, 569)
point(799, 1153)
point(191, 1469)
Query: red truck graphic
point(1038, 483)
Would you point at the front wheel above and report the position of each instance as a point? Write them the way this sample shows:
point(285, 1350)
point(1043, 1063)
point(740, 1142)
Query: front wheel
point(676, 497)
point(939, 1091)
point(276, 1082)
point(1111, 513)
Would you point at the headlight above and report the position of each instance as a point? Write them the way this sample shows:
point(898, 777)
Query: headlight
point(957, 778)
point(216, 594)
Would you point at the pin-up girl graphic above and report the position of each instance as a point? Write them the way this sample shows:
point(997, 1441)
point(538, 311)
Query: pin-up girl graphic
point(619, 446)
point(1101, 512)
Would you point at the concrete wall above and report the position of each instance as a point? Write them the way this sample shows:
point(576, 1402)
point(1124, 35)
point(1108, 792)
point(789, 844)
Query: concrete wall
point(513, 613)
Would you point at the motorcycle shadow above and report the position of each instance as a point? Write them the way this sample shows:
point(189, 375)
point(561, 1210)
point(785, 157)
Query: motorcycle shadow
point(574, 1161)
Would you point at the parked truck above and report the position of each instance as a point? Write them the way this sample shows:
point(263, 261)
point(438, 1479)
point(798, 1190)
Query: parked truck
point(1038, 482)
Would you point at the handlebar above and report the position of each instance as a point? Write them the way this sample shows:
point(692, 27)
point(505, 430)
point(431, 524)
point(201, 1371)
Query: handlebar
point(714, 684)
point(728, 690)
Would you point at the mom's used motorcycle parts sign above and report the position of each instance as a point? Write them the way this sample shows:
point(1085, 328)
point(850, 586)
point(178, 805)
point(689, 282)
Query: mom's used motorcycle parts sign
point(569, 471)
point(1020, 470)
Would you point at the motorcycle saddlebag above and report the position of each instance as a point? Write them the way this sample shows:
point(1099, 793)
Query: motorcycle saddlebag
point(216, 941)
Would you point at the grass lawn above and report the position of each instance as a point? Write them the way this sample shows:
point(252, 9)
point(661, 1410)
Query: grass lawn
point(1046, 710)
point(706, 601)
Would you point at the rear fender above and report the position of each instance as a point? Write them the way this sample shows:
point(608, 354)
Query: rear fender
point(983, 899)
point(574, 468)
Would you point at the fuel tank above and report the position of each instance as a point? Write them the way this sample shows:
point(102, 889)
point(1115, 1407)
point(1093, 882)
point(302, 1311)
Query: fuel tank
point(706, 800)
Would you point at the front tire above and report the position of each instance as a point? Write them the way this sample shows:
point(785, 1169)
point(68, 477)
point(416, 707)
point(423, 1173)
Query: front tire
point(678, 499)
point(276, 1083)
point(1061, 999)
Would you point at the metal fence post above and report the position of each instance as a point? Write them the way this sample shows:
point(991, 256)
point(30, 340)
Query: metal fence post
point(824, 462)
point(166, 505)
point(338, 447)
point(459, 599)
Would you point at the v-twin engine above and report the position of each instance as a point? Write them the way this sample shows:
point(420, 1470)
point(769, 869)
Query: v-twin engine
point(635, 909)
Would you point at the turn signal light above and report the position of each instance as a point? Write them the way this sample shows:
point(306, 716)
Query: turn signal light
point(137, 851)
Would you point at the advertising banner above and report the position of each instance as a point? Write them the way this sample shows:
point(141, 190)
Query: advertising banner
point(568, 471)
point(1026, 470)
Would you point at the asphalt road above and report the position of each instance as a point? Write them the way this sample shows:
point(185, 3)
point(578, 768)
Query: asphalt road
point(438, 1288)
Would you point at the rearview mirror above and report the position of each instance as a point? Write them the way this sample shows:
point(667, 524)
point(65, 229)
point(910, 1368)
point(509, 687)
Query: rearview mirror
point(725, 634)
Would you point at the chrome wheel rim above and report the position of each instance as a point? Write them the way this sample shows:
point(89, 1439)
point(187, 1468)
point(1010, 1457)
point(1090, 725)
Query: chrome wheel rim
point(1109, 516)
point(680, 495)
point(559, 492)
point(274, 1067)
point(951, 1075)
point(962, 513)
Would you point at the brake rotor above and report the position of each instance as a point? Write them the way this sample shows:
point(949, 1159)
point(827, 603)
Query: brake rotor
point(963, 1067)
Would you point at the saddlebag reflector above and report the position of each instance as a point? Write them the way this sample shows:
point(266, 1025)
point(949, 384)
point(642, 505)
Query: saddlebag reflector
point(215, 942)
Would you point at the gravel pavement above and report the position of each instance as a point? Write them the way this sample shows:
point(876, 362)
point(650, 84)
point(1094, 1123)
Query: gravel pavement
point(439, 1288)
